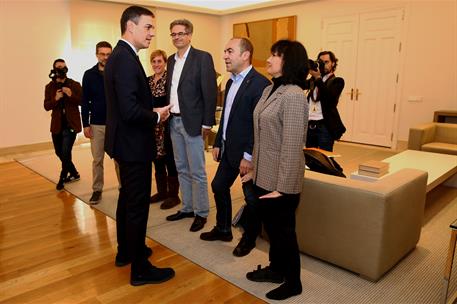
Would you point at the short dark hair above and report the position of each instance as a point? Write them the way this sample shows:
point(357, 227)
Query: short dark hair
point(102, 44)
point(57, 60)
point(295, 61)
point(332, 58)
point(186, 23)
point(246, 45)
point(133, 13)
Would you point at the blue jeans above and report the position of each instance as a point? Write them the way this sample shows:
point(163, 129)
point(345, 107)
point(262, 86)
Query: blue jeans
point(319, 137)
point(190, 164)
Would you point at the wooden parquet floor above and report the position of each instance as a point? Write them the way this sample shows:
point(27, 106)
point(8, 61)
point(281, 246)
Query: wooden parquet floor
point(56, 249)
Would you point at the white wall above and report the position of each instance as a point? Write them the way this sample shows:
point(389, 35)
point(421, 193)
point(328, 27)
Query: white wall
point(34, 33)
point(430, 45)
point(29, 42)
point(206, 34)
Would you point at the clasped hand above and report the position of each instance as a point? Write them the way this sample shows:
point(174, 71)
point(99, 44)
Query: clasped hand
point(63, 90)
point(248, 176)
point(164, 112)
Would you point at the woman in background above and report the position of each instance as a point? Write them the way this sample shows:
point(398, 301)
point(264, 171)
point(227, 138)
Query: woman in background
point(166, 175)
point(280, 121)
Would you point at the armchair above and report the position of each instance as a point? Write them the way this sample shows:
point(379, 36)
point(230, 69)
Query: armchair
point(434, 137)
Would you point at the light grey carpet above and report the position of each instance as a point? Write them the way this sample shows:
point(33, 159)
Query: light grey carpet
point(416, 279)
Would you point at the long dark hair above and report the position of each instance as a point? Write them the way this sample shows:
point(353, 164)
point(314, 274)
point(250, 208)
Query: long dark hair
point(295, 61)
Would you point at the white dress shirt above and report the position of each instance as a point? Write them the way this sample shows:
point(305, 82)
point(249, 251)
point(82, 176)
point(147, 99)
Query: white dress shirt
point(177, 70)
point(315, 108)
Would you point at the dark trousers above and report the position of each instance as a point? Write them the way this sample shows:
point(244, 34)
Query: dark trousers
point(165, 166)
point(250, 220)
point(223, 179)
point(133, 210)
point(278, 217)
point(318, 136)
point(63, 144)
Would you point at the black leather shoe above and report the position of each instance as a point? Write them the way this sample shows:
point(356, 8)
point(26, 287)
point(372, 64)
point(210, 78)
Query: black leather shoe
point(198, 224)
point(179, 216)
point(151, 275)
point(170, 202)
point(95, 198)
point(284, 291)
point(265, 275)
point(158, 197)
point(243, 248)
point(216, 235)
point(60, 184)
point(73, 177)
point(122, 261)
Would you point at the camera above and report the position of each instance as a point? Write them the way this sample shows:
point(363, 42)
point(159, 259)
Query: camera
point(318, 65)
point(58, 73)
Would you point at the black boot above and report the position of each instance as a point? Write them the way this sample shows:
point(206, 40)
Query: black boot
point(161, 182)
point(62, 180)
point(173, 190)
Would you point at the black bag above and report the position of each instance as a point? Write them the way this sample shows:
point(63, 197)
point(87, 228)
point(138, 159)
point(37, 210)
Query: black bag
point(319, 162)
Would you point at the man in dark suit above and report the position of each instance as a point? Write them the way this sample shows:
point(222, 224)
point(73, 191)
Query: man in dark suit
point(192, 91)
point(324, 125)
point(130, 121)
point(235, 139)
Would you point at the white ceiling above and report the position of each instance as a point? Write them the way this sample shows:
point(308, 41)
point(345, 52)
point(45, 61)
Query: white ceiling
point(218, 5)
point(214, 7)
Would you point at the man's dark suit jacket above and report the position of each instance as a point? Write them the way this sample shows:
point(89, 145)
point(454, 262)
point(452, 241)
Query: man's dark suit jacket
point(197, 90)
point(130, 119)
point(329, 93)
point(240, 134)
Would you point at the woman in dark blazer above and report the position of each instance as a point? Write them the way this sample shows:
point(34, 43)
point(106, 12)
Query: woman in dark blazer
point(280, 121)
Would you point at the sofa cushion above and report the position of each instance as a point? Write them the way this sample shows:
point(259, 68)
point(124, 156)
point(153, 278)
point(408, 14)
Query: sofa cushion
point(446, 133)
point(440, 147)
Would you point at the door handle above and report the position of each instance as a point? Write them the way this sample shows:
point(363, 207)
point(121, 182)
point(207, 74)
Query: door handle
point(357, 93)
point(352, 94)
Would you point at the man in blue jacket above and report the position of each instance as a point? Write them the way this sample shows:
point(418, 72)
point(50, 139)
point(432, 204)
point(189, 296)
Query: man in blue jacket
point(93, 113)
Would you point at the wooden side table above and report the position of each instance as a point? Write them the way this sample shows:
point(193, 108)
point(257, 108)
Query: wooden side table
point(449, 262)
point(447, 116)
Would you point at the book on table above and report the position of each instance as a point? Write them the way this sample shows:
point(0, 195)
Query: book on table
point(374, 166)
point(372, 174)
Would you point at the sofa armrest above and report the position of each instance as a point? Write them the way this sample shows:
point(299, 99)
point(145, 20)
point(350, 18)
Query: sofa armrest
point(361, 226)
point(420, 135)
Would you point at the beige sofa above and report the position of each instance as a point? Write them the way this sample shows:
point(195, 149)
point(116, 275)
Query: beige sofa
point(434, 137)
point(365, 227)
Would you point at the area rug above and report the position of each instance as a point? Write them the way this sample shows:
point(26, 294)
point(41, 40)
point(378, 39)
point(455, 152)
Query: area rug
point(416, 279)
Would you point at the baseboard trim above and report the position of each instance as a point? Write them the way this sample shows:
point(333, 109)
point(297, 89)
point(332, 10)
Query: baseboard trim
point(33, 147)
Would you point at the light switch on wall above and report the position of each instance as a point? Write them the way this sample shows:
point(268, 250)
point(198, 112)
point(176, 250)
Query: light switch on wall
point(415, 98)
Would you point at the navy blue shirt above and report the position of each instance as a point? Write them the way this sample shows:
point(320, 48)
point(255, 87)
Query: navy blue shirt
point(93, 106)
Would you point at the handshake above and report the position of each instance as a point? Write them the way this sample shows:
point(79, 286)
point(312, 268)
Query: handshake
point(164, 112)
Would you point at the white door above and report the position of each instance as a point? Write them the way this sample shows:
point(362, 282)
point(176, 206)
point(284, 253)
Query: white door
point(340, 37)
point(368, 48)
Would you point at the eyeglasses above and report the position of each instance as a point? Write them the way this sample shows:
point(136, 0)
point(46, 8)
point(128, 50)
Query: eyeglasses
point(180, 34)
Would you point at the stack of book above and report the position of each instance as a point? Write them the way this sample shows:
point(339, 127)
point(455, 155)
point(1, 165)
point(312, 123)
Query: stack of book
point(373, 168)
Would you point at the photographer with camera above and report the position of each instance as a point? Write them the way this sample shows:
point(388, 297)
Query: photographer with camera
point(324, 125)
point(63, 96)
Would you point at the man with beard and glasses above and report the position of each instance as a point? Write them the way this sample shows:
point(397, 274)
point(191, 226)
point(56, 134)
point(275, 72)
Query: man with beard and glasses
point(93, 114)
